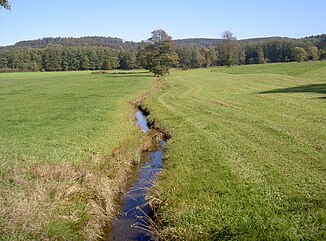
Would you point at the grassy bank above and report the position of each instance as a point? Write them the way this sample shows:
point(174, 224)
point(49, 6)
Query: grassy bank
point(67, 141)
point(247, 157)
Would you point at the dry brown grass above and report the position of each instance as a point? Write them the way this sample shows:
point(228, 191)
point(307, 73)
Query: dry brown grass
point(226, 104)
point(35, 192)
point(55, 193)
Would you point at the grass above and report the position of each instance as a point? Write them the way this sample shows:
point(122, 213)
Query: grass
point(247, 157)
point(67, 142)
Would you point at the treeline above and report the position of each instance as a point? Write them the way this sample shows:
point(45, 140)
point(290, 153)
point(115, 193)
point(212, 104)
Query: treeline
point(256, 51)
point(92, 53)
point(61, 58)
point(283, 50)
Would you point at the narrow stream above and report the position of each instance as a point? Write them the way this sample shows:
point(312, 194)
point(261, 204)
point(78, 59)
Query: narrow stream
point(135, 211)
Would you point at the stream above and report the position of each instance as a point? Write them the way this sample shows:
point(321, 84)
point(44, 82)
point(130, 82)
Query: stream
point(134, 218)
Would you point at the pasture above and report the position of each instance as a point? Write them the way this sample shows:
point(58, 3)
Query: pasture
point(246, 157)
point(67, 142)
point(247, 154)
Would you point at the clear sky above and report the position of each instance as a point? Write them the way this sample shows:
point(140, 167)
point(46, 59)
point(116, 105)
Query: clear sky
point(135, 19)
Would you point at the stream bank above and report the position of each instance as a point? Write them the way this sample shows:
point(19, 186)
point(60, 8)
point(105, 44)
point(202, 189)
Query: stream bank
point(135, 216)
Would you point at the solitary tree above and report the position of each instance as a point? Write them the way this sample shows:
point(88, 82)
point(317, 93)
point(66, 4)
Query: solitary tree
point(229, 49)
point(158, 54)
point(299, 54)
point(5, 4)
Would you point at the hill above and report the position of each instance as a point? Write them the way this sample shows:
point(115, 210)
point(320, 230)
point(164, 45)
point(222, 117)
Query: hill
point(80, 42)
point(113, 42)
point(197, 42)
point(118, 43)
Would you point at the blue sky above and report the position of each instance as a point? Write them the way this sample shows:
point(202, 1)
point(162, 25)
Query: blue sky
point(135, 19)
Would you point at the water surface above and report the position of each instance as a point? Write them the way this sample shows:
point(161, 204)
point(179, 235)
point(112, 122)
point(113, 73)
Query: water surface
point(135, 211)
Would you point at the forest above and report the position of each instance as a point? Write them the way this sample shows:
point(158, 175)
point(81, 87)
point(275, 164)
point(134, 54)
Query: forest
point(105, 53)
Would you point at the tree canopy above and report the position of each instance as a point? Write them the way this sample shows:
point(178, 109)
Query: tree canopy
point(59, 58)
point(158, 54)
point(229, 49)
point(299, 54)
point(5, 4)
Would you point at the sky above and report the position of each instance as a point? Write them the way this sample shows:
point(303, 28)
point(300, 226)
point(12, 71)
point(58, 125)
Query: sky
point(134, 20)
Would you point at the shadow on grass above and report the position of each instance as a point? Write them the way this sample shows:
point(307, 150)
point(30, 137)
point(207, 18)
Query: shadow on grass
point(129, 74)
point(120, 74)
point(313, 88)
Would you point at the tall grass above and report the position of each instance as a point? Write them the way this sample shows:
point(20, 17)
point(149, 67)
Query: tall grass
point(247, 157)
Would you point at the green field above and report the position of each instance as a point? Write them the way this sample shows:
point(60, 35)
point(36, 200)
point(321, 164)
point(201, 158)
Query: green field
point(66, 143)
point(247, 157)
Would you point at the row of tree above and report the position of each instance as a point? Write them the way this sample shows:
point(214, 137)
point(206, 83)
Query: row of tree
point(229, 51)
point(160, 52)
point(281, 50)
point(59, 58)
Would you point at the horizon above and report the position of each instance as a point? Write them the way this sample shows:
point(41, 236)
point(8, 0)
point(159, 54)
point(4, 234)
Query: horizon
point(134, 21)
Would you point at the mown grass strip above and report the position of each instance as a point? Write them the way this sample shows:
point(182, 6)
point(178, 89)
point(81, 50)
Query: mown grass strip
point(247, 155)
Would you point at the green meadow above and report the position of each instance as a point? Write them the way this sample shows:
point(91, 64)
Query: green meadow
point(245, 161)
point(67, 141)
point(247, 154)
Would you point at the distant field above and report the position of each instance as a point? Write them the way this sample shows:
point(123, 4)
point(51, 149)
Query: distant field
point(247, 156)
point(58, 131)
